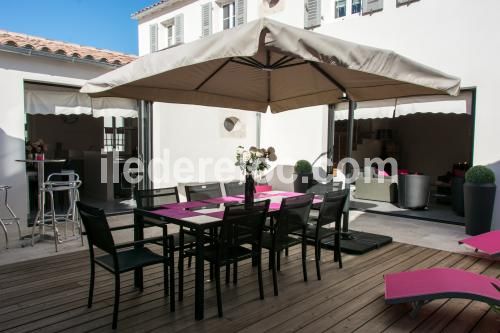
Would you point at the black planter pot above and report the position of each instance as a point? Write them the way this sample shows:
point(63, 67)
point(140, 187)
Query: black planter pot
point(249, 190)
point(478, 206)
point(302, 182)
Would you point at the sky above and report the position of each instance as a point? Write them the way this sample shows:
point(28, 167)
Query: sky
point(99, 23)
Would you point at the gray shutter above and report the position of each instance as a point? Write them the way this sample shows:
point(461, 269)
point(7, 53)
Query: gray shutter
point(153, 37)
point(179, 28)
point(206, 19)
point(312, 13)
point(370, 6)
point(241, 12)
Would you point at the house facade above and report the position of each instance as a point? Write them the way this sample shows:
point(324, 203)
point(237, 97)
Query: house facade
point(29, 61)
point(446, 34)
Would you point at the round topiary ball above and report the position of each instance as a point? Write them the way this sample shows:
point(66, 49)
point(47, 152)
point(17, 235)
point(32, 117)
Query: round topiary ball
point(303, 167)
point(480, 174)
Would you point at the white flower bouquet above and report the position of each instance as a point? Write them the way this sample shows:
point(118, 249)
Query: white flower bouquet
point(254, 160)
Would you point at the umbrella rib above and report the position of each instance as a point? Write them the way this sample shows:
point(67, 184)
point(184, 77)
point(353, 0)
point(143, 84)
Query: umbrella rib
point(327, 76)
point(245, 64)
point(213, 74)
point(280, 63)
point(268, 62)
point(253, 61)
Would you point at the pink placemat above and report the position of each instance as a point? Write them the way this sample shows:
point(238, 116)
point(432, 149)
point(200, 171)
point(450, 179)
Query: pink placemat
point(488, 242)
point(274, 206)
point(175, 213)
point(184, 205)
point(223, 200)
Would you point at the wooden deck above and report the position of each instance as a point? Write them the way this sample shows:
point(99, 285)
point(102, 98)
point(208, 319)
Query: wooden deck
point(49, 295)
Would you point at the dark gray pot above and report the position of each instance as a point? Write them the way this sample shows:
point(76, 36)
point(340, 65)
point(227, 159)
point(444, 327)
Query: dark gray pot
point(299, 186)
point(478, 206)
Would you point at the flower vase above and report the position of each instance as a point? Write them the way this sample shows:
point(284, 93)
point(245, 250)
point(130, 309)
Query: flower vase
point(249, 190)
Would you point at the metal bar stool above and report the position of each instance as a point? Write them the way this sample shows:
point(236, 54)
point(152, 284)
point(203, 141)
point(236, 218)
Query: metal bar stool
point(4, 221)
point(68, 182)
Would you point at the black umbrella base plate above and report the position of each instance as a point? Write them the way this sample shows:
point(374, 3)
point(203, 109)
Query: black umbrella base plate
point(359, 242)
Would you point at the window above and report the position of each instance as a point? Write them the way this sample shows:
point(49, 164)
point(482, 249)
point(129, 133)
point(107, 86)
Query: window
point(229, 16)
point(114, 134)
point(170, 36)
point(356, 7)
point(340, 8)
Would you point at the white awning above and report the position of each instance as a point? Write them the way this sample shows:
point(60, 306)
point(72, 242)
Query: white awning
point(461, 104)
point(47, 100)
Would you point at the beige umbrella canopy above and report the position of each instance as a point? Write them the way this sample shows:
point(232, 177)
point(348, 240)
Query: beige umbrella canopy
point(267, 63)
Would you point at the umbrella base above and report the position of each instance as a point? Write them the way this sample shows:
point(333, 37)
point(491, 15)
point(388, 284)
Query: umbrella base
point(359, 242)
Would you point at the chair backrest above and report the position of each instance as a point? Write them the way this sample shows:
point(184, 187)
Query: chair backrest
point(332, 207)
point(203, 192)
point(146, 199)
point(293, 215)
point(234, 188)
point(321, 188)
point(97, 228)
point(242, 225)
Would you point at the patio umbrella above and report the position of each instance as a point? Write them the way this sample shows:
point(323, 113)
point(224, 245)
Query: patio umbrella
point(266, 63)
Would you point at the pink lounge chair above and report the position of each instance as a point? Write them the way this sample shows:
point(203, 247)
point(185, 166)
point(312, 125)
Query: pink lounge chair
point(422, 286)
point(488, 243)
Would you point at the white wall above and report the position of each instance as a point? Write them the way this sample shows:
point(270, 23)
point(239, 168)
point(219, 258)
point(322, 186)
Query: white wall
point(14, 70)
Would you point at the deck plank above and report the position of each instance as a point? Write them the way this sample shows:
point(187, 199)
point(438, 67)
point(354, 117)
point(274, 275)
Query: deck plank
point(49, 295)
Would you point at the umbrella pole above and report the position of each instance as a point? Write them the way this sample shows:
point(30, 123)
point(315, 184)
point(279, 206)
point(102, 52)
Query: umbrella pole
point(350, 130)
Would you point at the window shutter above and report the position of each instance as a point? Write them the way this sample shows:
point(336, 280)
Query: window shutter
point(370, 6)
point(312, 13)
point(153, 37)
point(241, 12)
point(206, 19)
point(179, 28)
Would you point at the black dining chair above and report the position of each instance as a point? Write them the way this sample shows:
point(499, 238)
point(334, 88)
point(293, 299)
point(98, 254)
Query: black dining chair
point(241, 225)
point(123, 258)
point(234, 188)
point(322, 188)
point(203, 191)
point(331, 211)
point(149, 199)
point(292, 218)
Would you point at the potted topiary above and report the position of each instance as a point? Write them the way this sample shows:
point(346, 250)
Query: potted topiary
point(303, 176)
point(479, 199)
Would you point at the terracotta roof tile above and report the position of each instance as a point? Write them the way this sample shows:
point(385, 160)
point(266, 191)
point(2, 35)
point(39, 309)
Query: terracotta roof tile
point(62, 48)
point(145, 9)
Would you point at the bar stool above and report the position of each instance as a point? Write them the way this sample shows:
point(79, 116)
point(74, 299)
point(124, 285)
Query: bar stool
point(68, 182)
point(4, 221)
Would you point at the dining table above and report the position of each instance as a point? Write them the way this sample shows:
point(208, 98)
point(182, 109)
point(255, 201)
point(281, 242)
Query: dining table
point(199, 217)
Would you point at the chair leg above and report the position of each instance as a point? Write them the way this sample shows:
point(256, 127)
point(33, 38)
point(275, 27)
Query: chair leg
point(181, 265)
point(235, 273)
point(304, 255)
point(91, 286)
point(117, 300)
point(275, 272)
point(259, 273)
point(190, 259)
point(218, 289)
point(228, 273)
point(317, 252)
point(54, 221)
point(172, 277)
point(338, 251)
point(278, 261)
point(286, 251)
point(6, 234)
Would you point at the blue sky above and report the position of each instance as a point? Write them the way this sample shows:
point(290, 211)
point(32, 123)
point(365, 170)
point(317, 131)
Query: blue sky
point(100, 23)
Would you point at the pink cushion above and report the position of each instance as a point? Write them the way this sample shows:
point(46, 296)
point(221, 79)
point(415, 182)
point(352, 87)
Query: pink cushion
point(263, 188)
point(403, 172)
point(437, 283)
point(488, 243)
point(382, 173)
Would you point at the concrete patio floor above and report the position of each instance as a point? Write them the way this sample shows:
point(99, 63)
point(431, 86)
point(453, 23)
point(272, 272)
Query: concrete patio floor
point(409, 231)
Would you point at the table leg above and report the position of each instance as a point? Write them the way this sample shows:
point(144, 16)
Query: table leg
point(138, 235)
point(199, 275)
